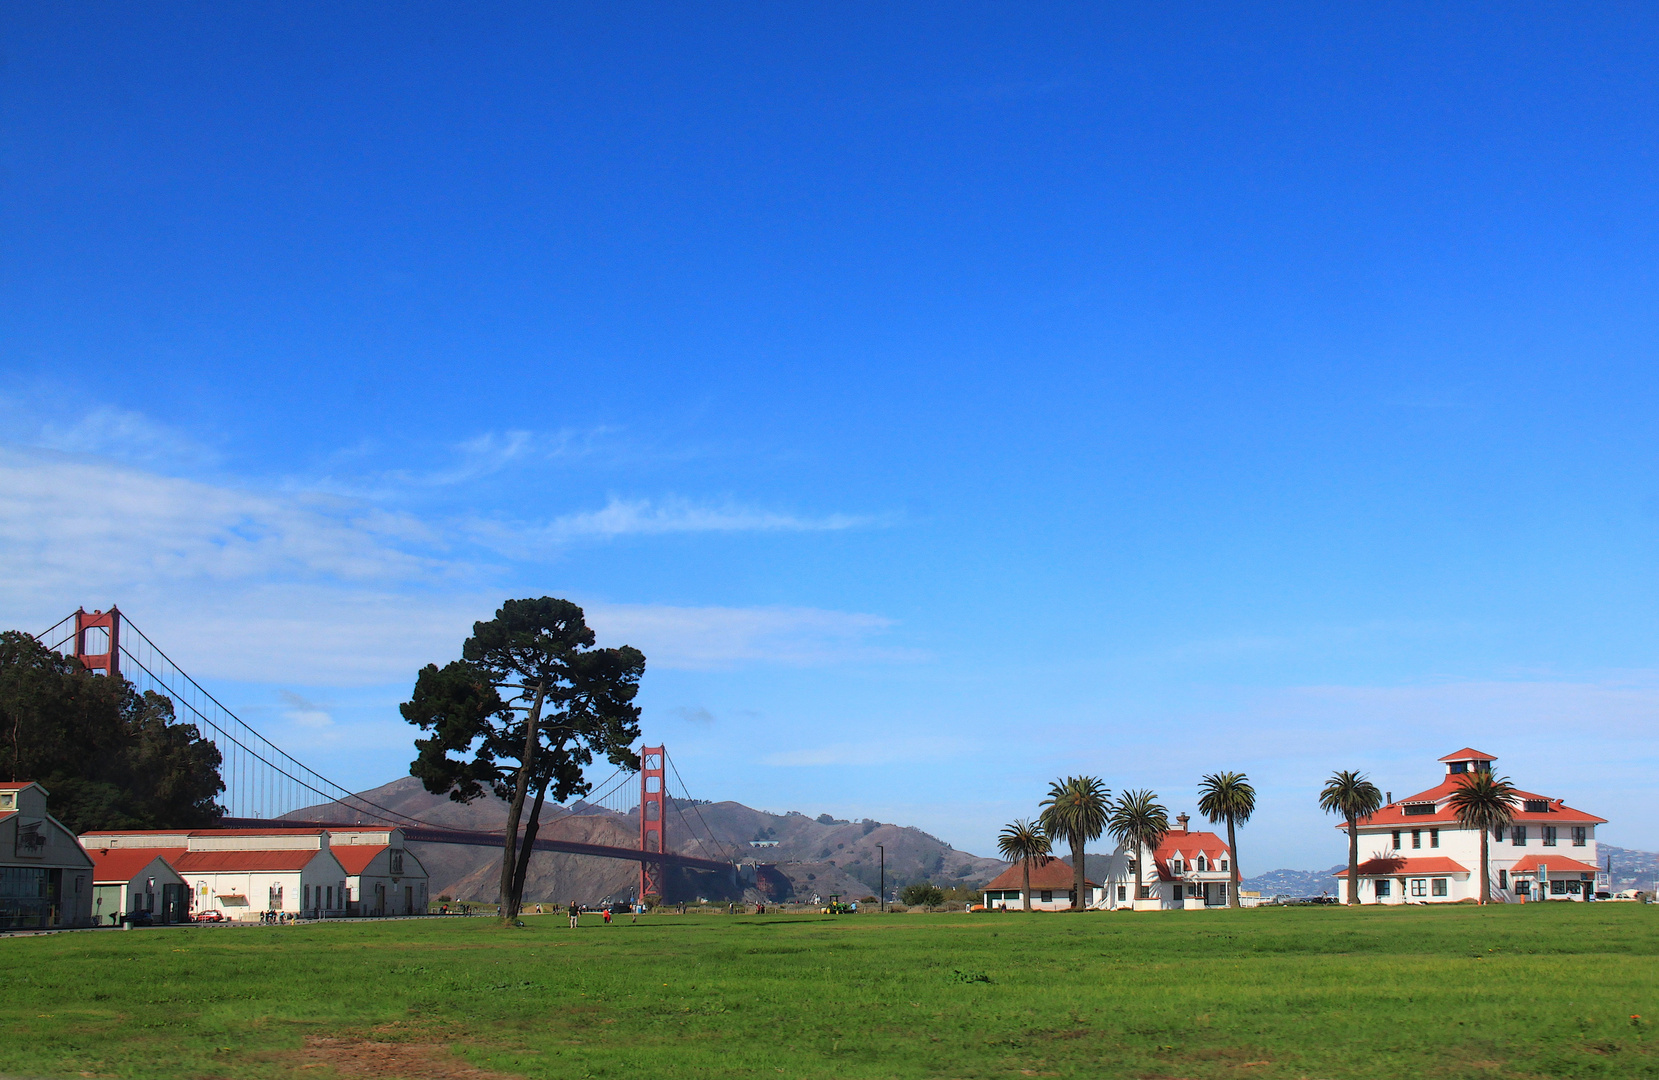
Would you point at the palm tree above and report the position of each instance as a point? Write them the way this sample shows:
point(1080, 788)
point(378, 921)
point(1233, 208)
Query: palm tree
point(1228, 797)
point(1024, 840)
point(1486, 803)
point(1350, 794)
point(1076, 809)
point(1139, 821)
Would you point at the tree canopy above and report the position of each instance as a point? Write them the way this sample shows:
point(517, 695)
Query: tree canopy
point(1076, 809)
point(525, 709)
point(111, 757)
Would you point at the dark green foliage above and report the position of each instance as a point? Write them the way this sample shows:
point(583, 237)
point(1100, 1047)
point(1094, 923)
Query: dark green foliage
point(525, 709)
point(111, 757)
point(922, 894)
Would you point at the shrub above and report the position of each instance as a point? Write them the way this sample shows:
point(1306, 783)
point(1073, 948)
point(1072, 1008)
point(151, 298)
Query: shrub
point(922, 894)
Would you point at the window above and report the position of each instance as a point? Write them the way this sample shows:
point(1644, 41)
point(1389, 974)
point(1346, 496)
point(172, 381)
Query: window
point(1549, 835)
point(330, 897)
point(1223, 891)
point(1382, 887)
point(1536, 806)
point(1578, 835)
point(1177, 890)
point(1123, 893)
point(1523, 888)
point(1144, 892)
point(1224, 865)
point(1558, 888)
point(1131, 866)
point(1417, 838)
point(275, 898)
point(1396, 840)
point(1434, 838)
point(1459, 767)
point(308, 896)
point(1417, 809)
point(1176, 866)
point(1437, 887)
point(1503, 879)
point(1483, 766)
point(1202, 865)
point(1518, 836)
point(1419, 886)
point(1048, 896)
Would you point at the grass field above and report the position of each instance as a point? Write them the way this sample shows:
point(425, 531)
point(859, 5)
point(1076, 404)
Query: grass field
point(1546, 990)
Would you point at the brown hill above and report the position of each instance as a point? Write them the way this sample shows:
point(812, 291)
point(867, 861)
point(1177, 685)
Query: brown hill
point(813, 855)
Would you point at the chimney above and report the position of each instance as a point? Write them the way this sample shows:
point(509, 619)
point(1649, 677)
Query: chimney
point(1388, 797)
point(1180, 823)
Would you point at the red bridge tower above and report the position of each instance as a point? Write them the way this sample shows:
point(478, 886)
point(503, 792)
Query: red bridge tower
point(652, 803)
point(99, 630)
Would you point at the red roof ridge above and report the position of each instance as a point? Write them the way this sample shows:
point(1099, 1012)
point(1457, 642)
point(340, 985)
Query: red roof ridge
point(1468, 753)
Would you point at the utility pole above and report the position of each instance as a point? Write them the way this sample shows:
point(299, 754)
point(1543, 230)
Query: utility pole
point(883, 855)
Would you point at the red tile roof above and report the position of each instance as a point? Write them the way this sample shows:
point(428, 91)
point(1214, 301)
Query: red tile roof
point(1394, 813)
point(1468, 754)
point(219, 862)
point(1054, 874)
point(1529, 865)
point(1189, 845)
point(1436, 864)
point(14, 785)
point(356, 857)
point(124, 864)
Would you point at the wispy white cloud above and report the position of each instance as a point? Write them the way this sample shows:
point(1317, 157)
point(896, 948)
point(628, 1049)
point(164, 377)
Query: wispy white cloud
point(103, 431)
point(636, 517)
point(305, 713)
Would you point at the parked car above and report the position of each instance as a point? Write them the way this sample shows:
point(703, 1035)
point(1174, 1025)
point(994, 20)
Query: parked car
point(139, 918)
point(208, 916)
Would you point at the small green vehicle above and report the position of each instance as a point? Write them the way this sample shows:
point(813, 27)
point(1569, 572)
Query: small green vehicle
point(836, 907)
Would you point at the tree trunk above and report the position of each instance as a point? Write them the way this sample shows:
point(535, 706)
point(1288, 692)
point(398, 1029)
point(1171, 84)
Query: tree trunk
point(1026, 863)
point(526, 848)
point(1353, 861)
point(1485, 865)
point(515, 810)
point(1232, 852)
point(1077, 843)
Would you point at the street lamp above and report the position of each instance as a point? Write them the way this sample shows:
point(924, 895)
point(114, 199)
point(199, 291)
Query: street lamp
point(882, 850)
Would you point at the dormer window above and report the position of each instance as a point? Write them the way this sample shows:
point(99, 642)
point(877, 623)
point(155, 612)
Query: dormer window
point(8, 800)
point(1459, 767)
point(1202, 865)
point(1537, 806)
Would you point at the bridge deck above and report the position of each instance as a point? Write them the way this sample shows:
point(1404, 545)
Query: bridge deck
point(431, 834)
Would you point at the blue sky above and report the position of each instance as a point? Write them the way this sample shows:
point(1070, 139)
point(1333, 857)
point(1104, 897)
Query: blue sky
point(944, 397)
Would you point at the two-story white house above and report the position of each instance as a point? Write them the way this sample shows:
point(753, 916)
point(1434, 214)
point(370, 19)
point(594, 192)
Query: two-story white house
point(1187, 871)
point(1415, 851)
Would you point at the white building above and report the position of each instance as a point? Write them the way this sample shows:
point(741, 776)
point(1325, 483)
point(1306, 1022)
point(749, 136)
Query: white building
point(383, 877)
point(1052, 887)
point(1415, 851)
point(1187, 871)
point(45, 877)
point(130, 880)
point(241, 873)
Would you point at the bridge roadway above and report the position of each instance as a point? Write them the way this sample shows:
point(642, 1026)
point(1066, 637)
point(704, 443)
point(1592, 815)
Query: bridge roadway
point(432, 834)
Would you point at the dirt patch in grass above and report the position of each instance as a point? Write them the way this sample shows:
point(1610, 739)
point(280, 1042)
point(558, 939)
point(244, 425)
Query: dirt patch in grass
point(384, 1060)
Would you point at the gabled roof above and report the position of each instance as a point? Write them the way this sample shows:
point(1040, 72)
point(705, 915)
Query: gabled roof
point(1054, 874)
point(1394, 816)
point(356, 857)
point(19, 785)
point(1435, 864)
point(1552, 863)
point(219, 862)
point(123, 864)
point(1188, 845)
point(1468, 754)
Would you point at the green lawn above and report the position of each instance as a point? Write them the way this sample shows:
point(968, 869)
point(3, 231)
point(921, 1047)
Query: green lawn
point(1545, 990)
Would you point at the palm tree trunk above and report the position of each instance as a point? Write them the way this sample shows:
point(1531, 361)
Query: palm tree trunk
point(1485, 865)
point(1026, 864)
point(1353, 861)
point(1137, 874)
point(1077, 871)
point(1232, 851)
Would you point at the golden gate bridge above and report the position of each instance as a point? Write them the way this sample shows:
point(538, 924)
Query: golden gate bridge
point(265, 786)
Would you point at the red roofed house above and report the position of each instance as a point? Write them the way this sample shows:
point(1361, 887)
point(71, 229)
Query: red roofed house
point(125, 880)
point(1415, 851)
point(1189, 871)
point(308, 871)
point(1051, 888)
point(45, 877)
point(244, 872)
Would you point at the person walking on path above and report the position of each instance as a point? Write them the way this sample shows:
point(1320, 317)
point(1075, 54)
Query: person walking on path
point(607, 916)
point(634, 908)
point(575, 914)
